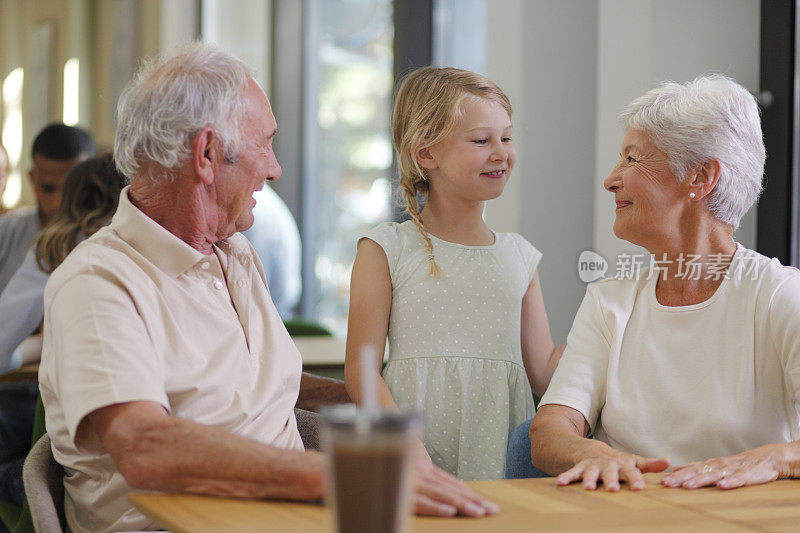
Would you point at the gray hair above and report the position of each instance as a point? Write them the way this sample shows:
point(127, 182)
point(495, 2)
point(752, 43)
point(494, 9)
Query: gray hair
point(170, 100)
point(711, 117)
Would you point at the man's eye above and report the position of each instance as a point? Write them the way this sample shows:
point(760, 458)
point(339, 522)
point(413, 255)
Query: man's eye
point(49, 189)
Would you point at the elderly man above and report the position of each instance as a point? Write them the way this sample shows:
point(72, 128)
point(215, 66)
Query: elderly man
point(165, 364)
point(56, 149)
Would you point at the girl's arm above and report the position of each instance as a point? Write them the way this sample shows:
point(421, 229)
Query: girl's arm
point(539, 354)
point(435, 492)
point(368, 321)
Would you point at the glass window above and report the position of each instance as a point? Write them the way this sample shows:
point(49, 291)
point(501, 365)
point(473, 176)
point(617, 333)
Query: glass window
point(347, 147)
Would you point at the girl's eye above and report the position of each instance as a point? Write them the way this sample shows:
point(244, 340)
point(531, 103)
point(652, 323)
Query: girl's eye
point(480, 141)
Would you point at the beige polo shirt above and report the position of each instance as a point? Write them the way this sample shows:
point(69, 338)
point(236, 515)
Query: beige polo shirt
point(134, 313)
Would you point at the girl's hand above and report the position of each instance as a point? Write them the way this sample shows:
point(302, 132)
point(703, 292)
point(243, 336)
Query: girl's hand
point(753, 467)
point(421, 454)
point(437, 493)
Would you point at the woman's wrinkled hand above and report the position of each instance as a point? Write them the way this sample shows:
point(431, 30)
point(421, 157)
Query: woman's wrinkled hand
point(612, 467)
point(753, 467)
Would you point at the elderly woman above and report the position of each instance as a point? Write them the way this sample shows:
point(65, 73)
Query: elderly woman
point(698, 363)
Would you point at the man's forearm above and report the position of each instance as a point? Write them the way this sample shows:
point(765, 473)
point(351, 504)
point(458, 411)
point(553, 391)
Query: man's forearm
point(172, 454)
point(316, 391)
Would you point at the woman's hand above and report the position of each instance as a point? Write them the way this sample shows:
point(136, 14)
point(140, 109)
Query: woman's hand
point(753, 467)
point(558, 444)
point(612, 467)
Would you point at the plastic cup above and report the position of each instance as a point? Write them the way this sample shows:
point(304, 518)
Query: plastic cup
point(370, 462)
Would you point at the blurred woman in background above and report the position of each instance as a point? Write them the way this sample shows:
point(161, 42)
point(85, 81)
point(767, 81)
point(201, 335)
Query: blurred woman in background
point(89, 199)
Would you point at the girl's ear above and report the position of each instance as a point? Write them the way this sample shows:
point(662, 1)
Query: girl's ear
point(425, 159)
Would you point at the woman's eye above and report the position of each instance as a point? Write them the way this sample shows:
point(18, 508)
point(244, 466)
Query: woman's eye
point(506, 139)
point(629, 159)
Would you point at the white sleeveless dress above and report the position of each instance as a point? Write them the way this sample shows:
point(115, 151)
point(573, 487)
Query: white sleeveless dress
point(454, 344)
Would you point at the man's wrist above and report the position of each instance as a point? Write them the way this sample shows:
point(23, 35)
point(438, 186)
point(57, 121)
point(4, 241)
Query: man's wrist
point(789, 459)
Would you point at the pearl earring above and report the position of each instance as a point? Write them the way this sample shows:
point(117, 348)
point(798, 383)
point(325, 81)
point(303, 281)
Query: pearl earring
point(692, 195)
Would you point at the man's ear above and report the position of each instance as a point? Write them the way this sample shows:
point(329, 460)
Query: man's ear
point(425, 159)
point(30, 177)
point(703, 178)
point(205, 154)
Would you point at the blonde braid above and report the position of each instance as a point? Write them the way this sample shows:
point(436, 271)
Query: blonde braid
point(409, 190)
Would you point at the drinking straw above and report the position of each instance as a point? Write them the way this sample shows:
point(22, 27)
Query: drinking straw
point(369, 391)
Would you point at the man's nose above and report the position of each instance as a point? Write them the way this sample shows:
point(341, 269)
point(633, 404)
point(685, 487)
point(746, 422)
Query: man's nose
point(275, 170)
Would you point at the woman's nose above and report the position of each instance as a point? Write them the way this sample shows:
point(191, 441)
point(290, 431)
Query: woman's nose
point(614, 180)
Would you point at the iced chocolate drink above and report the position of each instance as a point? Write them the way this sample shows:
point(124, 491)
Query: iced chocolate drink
point(370, 469)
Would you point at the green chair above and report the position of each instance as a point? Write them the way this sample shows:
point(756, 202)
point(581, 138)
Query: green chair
point(18, 519)
point(297, 327)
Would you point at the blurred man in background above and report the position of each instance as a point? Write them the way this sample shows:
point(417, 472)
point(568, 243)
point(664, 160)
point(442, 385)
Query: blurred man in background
point(56, 149)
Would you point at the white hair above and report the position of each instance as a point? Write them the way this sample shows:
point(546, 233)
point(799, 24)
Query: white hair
point(170, 100)
point(711, 117)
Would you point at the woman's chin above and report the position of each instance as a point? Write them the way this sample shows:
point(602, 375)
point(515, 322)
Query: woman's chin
point(619, 230)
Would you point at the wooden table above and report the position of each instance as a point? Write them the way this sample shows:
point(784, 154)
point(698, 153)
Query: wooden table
point(319, 351)
point(24, 373)
point(526, 505)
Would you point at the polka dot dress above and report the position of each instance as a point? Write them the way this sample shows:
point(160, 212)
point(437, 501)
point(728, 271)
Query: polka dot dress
point(454, 344)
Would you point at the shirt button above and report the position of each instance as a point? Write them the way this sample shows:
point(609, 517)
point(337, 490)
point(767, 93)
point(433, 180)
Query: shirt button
point(218, 285)
point(205, 266)
point(240, 283)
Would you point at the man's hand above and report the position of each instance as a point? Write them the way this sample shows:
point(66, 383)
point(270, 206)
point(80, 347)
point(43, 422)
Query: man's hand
point(437, 493)
point(612, 467)
point(753, 467)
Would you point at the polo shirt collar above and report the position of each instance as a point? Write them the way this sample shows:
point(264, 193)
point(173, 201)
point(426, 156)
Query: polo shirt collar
point(162, 248)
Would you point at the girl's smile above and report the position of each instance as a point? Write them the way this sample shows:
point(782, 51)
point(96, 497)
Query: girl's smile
point(473, 163)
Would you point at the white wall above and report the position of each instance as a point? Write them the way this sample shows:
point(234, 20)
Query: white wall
point(644, 42)
point(551, 83)
point(570, 67)
point(505, 55)
point(243, 28)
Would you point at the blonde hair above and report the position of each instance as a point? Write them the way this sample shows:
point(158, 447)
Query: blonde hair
point(90, 195)
point(428, 105)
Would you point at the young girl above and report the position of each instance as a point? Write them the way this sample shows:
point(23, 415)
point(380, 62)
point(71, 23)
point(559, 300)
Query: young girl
point(462, 305)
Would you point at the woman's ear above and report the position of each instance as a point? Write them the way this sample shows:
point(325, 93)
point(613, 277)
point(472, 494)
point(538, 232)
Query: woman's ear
point(425, 159)
point(703, 179)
